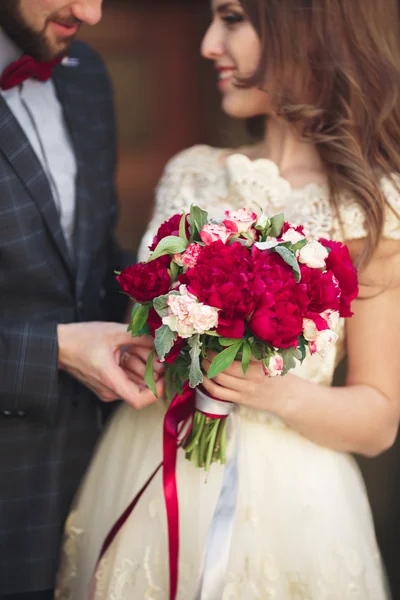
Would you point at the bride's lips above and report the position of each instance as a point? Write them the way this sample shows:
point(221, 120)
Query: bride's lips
point(225, 75)
point(64, 30)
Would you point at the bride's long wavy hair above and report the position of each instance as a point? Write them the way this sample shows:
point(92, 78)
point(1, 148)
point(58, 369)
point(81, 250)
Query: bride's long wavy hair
point(332, 67)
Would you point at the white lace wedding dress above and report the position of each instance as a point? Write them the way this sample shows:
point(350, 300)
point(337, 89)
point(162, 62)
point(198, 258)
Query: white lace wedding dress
point(303, 528)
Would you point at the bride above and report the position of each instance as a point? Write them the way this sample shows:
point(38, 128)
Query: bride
point(324, 76)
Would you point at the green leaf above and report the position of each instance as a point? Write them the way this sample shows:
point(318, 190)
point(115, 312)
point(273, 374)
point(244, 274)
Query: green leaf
point(198, 218)
point(160, 305)
point(182, 227)
point(299, 245)
point(149, 373)
point(169, 381)
point(276, 225)
point(246, 356)
point(173, 271)
point(302, 348)
point(289, 361)
point(228, 341)
point(224, 359)
point(195, 372)
point(164, 340)
point(290, 259)
point(139, 319)
point(171, 244)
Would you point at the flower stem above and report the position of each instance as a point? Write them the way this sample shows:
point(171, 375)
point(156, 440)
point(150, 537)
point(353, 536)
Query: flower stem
point(203, 443)
point(222, 454)
point(198, 426)
point(211, 443)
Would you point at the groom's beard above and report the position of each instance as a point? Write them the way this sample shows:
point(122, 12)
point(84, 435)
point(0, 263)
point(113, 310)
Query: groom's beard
point(34, 43)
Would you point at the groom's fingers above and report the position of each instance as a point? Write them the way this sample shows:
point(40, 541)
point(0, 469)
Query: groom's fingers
point(134, 366)
point(132, 356)
point(128, 390)
point(124, 338)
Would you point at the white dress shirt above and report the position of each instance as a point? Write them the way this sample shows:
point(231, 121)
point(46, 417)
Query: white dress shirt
point(36, 107)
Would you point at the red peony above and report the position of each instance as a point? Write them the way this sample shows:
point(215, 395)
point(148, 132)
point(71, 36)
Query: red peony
point(145, 281)
point(341, 265)
point(223, 278)
point(277, 318)
point(317, 291)
point(170, 227)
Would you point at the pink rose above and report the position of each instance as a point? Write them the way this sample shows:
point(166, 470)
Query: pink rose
point(274, 366)
point(203, 317)
point(240, 221)
point(189, 258)
point(214, 233)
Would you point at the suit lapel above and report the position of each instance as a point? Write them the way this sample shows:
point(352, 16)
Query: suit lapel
point(73, 99)
point(15, 146)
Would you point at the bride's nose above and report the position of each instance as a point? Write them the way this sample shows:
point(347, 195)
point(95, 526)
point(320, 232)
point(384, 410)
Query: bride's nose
point(212, 46)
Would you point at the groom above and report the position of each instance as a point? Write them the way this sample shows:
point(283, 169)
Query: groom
point(58, 354)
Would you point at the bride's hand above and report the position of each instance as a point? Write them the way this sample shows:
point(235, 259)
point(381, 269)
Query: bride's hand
point(253, 389)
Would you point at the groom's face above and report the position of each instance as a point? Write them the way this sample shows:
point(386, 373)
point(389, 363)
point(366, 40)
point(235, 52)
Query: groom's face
point(45, 29)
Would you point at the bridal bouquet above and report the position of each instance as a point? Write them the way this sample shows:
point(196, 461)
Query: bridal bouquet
point(247, 287)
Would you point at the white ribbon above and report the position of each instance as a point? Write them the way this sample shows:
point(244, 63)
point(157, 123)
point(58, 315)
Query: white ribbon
point(211, 406)
point(216, 554)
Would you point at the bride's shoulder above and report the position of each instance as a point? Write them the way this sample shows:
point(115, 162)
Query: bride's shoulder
point(353, 217)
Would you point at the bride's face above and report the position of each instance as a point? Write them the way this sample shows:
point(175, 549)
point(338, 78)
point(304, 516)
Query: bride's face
point(233, 44)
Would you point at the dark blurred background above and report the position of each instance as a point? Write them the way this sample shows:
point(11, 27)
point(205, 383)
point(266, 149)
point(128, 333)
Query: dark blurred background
point(165, 94)
point(166, 100)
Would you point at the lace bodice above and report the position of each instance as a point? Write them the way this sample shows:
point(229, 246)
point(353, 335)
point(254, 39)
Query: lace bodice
point(217, 180)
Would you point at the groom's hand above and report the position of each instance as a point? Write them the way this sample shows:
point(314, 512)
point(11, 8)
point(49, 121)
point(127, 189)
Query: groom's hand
point(91, 352)
point(134, 361)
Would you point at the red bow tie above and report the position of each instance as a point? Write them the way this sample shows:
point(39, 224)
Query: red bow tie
point(25, 68)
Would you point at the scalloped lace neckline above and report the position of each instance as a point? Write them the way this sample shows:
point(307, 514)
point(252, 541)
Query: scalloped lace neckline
point(239, 166)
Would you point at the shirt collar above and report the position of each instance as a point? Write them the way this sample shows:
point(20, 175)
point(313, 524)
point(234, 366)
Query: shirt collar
point(9, 52)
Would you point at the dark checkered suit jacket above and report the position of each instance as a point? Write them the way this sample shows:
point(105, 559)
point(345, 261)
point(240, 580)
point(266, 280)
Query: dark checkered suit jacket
point(48, 422)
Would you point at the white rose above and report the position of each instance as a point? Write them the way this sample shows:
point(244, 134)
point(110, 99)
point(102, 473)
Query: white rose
point(310, 330)
point(331, 317)
point(323, 342)
point(313, 255)
point(274, 366)
point(262, 221)
point(293, 236)
point(183, 327)
point(203, 317)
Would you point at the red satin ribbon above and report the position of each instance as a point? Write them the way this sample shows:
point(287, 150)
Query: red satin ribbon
point(179, 412)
